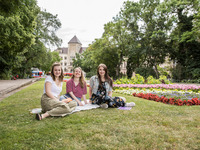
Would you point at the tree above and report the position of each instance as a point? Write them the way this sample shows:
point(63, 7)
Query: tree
point(51, 57)
point(145, 23)
point(117, 35)
point(47, 24)
point(85, 62)
point(184, 34)
point(25, 31)
point(17, 23)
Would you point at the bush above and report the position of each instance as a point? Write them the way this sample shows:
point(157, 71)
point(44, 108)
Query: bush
point(164, 78)
point(145, 72)
point(152, 80)
point(196, 73)
point(138, 79)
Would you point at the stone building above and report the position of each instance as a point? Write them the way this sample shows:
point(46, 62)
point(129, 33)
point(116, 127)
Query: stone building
point(68, 53)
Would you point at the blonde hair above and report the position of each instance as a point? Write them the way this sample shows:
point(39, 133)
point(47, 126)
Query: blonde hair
point(82, 78)
point(52, 74)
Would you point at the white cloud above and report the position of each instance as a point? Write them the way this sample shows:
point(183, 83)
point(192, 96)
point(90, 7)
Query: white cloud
point(83, 18)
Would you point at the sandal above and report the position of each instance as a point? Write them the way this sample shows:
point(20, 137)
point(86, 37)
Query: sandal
point(38, 117)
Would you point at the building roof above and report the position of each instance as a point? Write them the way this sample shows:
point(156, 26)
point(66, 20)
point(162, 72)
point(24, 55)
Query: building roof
point(82, 49)
point(74, 40)
point(62, 50)
point(65, 50)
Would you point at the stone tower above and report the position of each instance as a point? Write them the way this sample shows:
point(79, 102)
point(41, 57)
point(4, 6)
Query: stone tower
point(74, 46)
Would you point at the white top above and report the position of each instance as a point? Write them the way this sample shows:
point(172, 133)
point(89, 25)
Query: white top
point(55, 90)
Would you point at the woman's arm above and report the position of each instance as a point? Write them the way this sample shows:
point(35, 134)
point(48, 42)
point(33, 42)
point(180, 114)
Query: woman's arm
point(90, 92)
point(91, 85)
point(110, 93)
point(48, 90)
point(85, 100)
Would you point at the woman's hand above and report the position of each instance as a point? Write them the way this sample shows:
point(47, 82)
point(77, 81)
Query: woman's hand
point(67, 100)
point(85, 100)
point(80, 104)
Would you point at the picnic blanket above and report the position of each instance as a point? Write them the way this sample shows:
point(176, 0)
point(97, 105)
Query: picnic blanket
point(78, 108)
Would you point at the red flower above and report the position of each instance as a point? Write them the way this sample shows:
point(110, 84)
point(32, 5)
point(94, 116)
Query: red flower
point(172, 101)
point(134, 94)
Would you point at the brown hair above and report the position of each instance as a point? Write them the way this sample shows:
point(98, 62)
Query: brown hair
point(107, 77)
point(52, 74)
point(82, 78)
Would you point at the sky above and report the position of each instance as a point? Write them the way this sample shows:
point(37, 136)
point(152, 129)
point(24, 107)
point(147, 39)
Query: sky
point(83, 18)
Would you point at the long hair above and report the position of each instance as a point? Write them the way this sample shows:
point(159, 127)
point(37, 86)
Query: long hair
point(107, 77)
point(81, 79)
point(52, 74)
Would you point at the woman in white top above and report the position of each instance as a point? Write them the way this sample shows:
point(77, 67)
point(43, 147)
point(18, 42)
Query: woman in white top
point(51, 106)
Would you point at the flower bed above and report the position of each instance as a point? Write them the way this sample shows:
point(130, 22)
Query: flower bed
point(186, 87)
point(172, 101)
point(173, 97)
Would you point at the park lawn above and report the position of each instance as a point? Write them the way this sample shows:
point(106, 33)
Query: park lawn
point(148, 125)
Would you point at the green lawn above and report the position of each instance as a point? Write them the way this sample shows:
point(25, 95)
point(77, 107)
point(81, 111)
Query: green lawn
point(148, 125)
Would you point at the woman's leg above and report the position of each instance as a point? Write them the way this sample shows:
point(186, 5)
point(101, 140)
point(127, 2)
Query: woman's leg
point(54, 107)
point(131, 104)
point(67, 95)
point(62, 97)
point(42, 116)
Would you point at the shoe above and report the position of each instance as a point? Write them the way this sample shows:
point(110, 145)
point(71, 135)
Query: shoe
point(38, 117)
point(104, 106)
point(131, 104)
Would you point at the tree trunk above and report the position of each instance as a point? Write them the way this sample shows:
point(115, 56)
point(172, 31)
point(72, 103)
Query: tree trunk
point(157, 73)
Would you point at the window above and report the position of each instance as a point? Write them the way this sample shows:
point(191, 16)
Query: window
point(65, 64)
point(65, 58)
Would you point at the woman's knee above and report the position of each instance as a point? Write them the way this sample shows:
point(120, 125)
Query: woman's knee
point(124, 99)
point(62, 97)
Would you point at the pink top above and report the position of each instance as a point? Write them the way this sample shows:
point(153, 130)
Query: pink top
point(77, 90)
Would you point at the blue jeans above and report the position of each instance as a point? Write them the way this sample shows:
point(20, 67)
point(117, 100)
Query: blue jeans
point(68, 96)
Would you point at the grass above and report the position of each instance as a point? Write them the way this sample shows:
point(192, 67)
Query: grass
point(148, 125)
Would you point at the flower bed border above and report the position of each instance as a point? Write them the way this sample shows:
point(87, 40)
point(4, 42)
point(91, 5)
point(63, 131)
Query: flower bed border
point(171, 101)
point(194, 88)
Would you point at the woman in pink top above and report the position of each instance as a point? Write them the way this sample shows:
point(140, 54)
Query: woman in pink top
point(76, 87)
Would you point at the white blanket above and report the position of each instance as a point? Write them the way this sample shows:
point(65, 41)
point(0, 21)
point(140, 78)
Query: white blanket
point(85, 107)
point(78, 108)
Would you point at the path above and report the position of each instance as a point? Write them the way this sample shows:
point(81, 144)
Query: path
point(9, 87)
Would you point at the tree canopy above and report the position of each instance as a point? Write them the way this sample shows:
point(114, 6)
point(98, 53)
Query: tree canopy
point(148, 32)
point(25, 30)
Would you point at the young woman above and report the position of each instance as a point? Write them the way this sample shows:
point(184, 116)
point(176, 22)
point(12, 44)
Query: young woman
point(101, 90)
point(76, 87)
point(51, 106)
